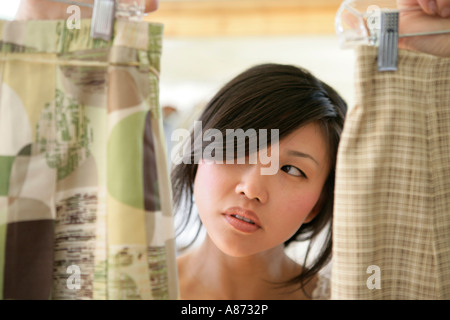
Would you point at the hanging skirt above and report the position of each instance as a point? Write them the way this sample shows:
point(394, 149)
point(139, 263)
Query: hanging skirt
point(85, 198)
point(392, 209)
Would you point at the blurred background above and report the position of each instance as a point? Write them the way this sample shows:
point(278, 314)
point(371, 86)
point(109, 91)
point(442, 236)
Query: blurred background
point(208, 42)
point(8, 9)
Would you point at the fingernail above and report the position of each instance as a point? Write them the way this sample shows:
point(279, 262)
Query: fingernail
point(432, 7)
point(445, 13)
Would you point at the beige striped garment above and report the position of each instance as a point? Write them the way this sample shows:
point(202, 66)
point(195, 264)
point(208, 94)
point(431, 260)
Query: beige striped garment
point(392, 208)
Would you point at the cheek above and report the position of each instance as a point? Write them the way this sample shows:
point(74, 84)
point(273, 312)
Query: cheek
point(202, 183)
point(209, 186)
point(295, 208)
point(203, 178)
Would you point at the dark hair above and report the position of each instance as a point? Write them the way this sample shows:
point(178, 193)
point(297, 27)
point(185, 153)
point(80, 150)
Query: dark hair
point(283, 97)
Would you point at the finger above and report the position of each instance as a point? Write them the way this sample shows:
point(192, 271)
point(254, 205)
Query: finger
point(443, 8)
point(435, 7)
point(429, 6)
point(350, 20)
point(151, 5)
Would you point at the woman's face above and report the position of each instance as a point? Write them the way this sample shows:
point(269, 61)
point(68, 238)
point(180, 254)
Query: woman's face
point(245, 212)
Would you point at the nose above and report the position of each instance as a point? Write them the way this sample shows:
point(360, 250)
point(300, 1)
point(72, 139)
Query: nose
point(253, 184)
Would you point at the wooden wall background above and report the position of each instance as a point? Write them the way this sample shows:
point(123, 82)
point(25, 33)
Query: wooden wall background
point(204, 18)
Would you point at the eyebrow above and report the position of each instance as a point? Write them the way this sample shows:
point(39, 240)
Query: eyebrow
point(302, 155)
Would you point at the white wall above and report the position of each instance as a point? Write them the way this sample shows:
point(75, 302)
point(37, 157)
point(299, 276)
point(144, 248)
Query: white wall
point(8, 9)
point(194, 69)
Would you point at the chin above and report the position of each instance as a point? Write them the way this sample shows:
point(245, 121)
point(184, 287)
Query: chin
point(237, 250)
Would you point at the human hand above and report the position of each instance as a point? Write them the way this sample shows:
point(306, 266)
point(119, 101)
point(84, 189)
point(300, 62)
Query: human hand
point(49, 10)
point(431, 15)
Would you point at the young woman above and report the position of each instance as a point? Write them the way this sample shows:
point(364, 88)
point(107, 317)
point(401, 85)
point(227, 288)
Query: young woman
point(251, 217)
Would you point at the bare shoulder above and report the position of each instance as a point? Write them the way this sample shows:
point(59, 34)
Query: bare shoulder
point(183, 268)
point(187, 277)
point(182, 260)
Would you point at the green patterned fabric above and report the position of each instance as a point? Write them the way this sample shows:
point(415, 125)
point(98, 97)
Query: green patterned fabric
point(84, 182)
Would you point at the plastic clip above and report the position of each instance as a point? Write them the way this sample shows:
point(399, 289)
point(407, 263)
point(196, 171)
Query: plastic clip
point(102, 22)
point(388, 45)
point(106, 11)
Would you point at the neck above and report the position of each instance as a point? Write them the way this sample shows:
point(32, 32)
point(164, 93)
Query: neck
point(258, 276)
point(49, 10)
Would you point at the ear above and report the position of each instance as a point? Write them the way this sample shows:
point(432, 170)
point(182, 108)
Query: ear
point(318, 206)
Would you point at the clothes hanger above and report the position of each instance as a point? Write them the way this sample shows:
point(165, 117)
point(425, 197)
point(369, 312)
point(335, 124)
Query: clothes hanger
point(374, 23)
point(106, 11)
point(104, 14)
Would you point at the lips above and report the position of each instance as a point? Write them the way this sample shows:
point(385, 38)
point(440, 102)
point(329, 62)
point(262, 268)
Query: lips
point(243, 220)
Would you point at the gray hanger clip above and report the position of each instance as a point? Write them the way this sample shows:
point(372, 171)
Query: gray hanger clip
point(104, 14)
point(388, 45)
point(388, 40)
point(358, 22)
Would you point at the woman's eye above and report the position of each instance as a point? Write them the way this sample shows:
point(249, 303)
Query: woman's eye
point(293, 171)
